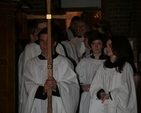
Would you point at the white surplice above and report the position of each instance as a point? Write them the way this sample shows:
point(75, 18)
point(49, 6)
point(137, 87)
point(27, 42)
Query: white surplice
point(120, 85)
point(20, 71)
point(35, 75)
point(31, 50)
point(78, 43)
point(86, 70)
point(60, 50)
point(71, 50)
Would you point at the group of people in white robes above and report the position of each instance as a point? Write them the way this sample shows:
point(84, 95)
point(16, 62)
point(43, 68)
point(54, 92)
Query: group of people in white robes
point(97, 76)
point(87, 70)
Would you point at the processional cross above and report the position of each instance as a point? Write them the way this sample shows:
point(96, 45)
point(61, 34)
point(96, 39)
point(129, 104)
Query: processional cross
point(48, 16)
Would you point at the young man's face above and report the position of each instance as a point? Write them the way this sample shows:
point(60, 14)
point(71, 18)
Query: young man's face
point(97, 46)
point(43, 41)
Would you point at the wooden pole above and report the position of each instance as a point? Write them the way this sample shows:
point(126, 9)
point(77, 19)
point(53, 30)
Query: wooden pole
point(49, 55)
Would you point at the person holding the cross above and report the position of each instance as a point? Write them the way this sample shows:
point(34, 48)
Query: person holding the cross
point(32, 49)
point(63, 83)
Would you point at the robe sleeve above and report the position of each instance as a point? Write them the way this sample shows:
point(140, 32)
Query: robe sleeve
point(125, 95)
point(31, 84)
point(95, 85)
point(20, 71)
point(80, 70)
point(26, 55)
point(40, 95)
point(68, 87)
point(99, 93)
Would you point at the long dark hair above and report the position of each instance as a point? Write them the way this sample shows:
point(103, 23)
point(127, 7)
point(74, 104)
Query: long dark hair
point(121, 48)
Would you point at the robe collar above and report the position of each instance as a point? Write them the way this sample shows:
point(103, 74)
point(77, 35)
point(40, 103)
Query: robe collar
point(109, 64)
point(41, 57)
point(101, 57)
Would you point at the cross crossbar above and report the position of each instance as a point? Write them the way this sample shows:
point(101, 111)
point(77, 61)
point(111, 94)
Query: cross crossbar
point(45, 16)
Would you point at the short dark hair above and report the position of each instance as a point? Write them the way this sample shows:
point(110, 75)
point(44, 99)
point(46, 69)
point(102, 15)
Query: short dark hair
point(121, 48)
point(38, 21)
point(75, 18)
point(53, 34)
point(94, 35)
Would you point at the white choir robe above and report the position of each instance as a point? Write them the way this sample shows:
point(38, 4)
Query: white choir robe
point(35, 75)
point(120, 85)
point(71, 50)
point(78, 43)
point(60, 50)
point(20, 71)
point(31, 50)
point(86, 70)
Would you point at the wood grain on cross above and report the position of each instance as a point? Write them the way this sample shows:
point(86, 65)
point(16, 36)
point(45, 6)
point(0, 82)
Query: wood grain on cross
point(49, 45)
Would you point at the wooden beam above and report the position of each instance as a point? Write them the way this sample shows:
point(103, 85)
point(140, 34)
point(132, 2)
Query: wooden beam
point(30, 16)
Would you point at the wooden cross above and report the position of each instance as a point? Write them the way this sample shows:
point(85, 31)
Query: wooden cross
point(48, 16)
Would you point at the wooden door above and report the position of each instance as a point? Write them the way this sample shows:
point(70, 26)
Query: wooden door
point(7, 59)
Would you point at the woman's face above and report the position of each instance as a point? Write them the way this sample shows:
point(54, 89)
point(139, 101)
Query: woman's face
point(109, 51)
